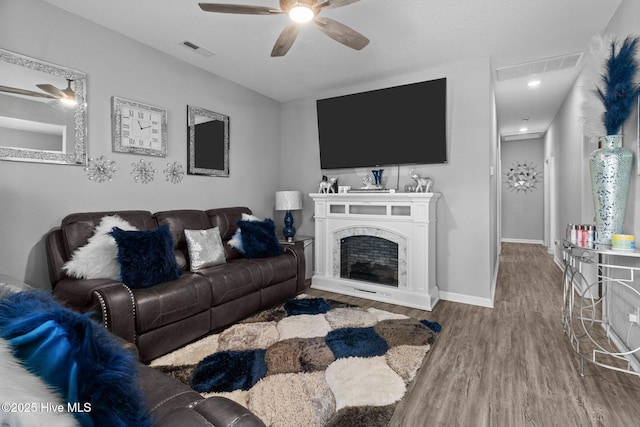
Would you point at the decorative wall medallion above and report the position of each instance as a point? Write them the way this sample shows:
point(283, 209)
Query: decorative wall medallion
point(143, 172)
point(100, 169)
point(522, 176)
point(174, 173)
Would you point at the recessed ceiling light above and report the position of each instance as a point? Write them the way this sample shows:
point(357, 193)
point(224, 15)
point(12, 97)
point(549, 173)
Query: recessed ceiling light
point(523, 129)
point(534, 83)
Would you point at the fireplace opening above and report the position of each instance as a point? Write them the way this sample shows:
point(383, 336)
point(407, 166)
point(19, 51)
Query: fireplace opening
point(370, 259)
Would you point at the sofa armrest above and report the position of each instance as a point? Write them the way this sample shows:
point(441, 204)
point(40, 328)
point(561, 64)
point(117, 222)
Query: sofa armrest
point(297, 249)
point(118, 309)
point(55, 256)
point(221, 411)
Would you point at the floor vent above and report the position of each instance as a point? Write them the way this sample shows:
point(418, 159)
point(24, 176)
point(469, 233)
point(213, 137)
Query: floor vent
point(538, 67)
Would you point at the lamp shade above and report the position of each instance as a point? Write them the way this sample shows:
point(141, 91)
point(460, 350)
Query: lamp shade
point(288, 200)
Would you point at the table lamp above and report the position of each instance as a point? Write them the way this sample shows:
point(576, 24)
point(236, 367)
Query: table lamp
point(288, 201)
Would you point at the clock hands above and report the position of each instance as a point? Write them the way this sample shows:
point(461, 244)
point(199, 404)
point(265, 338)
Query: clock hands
point(143, 128)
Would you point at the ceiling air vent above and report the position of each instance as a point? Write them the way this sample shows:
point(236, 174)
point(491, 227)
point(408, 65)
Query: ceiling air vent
point(194, 47)
point(538, 67)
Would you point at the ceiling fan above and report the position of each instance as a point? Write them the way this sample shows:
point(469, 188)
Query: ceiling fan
point(49, 91)
point(300, 11)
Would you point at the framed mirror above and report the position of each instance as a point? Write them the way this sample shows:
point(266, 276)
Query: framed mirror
point(208, 142)
point(43, 111)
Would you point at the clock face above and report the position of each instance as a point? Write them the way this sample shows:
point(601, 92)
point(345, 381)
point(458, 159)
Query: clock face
point(139, 128)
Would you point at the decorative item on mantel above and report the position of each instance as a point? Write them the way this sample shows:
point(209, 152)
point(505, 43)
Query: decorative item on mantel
point(328, 185)
point(423, 184)
point(611, 163)
point(288, 201)
point(143, 172)
point(100, 169)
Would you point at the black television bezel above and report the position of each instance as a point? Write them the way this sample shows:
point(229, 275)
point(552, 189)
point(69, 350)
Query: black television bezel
point(443, 149)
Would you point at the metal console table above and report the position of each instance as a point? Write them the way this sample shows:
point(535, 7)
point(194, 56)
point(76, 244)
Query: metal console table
point(587, 305)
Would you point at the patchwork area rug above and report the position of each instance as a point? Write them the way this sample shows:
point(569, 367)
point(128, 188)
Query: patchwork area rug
point(309, 362)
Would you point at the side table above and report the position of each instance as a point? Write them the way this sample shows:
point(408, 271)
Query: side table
point(308, 252)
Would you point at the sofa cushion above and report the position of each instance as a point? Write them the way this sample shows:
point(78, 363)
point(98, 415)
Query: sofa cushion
point(180, 220)
point(259, 239)
point(205, 248)
point(243, 276)
point(170, 302)
point(146, 257)
point(97, 259)
point(231, 280)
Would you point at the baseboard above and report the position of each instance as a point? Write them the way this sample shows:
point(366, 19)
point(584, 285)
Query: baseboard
point(528, 241)
point(559, 263)
point(466, 299)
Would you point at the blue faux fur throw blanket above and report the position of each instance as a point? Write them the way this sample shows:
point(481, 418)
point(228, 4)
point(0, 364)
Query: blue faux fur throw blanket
point(94, 376)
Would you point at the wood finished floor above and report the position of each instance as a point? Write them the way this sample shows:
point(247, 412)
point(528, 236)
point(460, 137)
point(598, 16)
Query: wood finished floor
point(510, 365)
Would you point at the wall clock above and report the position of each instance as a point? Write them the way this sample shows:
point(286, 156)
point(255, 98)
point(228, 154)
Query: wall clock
point(138, 128)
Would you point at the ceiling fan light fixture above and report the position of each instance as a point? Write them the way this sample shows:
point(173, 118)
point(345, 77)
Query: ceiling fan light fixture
point(301, 13)
point(69, 102)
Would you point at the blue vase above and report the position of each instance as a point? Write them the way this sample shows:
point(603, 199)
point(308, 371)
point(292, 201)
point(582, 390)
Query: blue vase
point(610, 167)
point(377, 176)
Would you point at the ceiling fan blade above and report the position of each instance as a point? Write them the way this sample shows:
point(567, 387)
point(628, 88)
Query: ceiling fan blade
point(52, 90)
point(285, 40)
point(341, 33)
point(25, 92)
point(239, 8)
point(332, 4)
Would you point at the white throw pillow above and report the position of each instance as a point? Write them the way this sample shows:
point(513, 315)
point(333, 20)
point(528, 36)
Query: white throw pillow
point(97, 259)
point(236, 240)
point(25, 394)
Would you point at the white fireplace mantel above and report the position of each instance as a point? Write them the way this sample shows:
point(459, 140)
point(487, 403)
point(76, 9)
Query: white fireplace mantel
point(408, 219)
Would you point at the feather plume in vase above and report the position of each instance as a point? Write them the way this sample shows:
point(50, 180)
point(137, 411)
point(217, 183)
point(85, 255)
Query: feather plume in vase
point(594, 68)
point(620, 88)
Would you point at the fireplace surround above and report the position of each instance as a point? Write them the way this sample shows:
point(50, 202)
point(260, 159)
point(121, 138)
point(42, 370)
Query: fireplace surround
point(380, 226)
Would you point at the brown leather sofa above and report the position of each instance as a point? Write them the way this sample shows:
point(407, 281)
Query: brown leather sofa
point(173, 404)
point(168, 315)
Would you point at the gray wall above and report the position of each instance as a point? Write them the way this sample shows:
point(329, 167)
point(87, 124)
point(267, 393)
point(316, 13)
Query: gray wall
point(35, 197)
point(465, 214)
point(273, 147)
point(523, 213)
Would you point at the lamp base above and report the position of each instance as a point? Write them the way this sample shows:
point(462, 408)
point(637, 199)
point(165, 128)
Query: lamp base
point(289, 230)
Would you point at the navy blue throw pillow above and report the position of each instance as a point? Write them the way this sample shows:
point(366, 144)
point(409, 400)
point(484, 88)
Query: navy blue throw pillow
point(77, 357)
point(146, 258)
point(259, 239)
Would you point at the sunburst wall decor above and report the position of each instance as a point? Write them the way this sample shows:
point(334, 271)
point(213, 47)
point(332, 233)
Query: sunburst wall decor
point(143, 172)
point(522, 176)
point(174, 173)
point(100, 169)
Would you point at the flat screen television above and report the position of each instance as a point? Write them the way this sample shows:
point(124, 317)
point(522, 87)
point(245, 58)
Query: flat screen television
point(392, 126)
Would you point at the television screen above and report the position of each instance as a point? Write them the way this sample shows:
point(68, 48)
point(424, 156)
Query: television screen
point(393, 126)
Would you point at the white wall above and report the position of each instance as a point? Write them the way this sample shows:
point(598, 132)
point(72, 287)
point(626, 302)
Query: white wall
point(466, 250)
point(35, 197)
point(523, 213)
